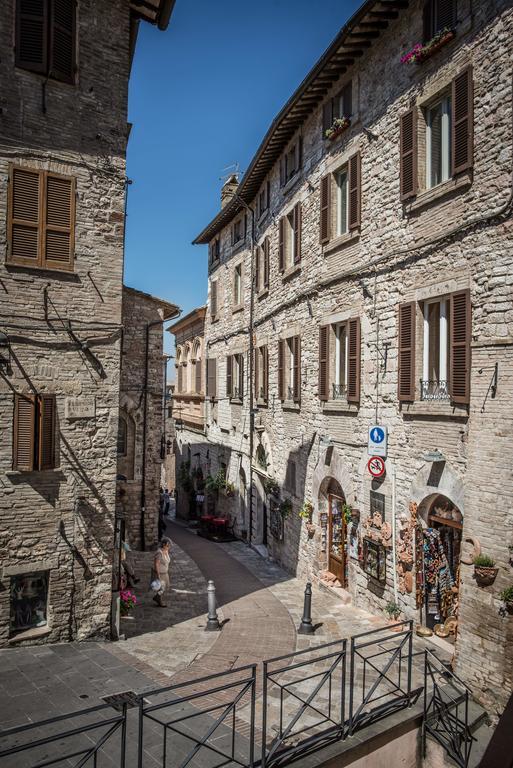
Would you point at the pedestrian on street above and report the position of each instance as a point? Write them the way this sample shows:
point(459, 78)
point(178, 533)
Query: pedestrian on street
point(161, 569)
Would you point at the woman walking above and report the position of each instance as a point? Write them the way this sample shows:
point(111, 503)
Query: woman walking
point(161, 569)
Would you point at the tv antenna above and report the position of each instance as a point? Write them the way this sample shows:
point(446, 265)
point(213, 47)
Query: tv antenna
point(230, 170)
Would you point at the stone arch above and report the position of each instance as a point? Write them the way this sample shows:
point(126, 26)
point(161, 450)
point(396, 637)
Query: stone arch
point(433, 479)
point(331, 466)
point(187, 368)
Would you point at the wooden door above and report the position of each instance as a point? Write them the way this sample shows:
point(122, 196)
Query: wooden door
point(337, 539)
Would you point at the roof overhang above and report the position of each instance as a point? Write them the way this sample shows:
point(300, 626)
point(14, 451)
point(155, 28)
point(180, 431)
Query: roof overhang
point(351, 43)
point(169, 310)
point(188, 319)
point(157, 12)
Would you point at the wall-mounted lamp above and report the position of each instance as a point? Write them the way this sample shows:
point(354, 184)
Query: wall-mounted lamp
point(5, 353)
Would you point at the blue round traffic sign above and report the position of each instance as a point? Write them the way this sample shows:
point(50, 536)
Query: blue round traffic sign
point(377, 435)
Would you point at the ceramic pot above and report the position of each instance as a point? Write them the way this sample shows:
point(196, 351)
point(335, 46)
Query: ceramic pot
point(485, 576)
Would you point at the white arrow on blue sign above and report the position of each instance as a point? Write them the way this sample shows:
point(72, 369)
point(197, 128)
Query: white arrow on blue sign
point(377, 444)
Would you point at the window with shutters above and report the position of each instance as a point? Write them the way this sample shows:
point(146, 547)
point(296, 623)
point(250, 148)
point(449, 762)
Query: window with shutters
point(235, 376)
point(438, 142)
point(290, 239)
point(341, 105)
point(438, 16)
point(238, 231)
point(34, 432)
point(212, 377)
point(289, 369)
point(435, 350)
point(41, 219)
point(340, 201)
point(262, 266)
point(261, 374)
point(339, 361)
point(214, 251)
point(263, 200)
point(237, 287)
point(290, 163)
point(214, 300)
point(198, 378)
point(45, 38)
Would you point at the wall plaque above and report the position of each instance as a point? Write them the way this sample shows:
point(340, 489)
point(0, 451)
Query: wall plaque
point(80, 407)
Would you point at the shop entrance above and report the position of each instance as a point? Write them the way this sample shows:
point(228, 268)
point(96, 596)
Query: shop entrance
point(337, 560)
point(441, 553)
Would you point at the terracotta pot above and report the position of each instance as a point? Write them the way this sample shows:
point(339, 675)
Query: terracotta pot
point(485, 576)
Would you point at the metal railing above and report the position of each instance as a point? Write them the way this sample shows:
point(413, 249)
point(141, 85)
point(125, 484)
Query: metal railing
point(434, 390)
point(339, 391)
point(446, 710)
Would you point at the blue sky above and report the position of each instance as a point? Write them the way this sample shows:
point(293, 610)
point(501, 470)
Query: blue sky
point(202, 95)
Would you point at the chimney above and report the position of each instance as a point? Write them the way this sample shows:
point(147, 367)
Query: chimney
point(229, 189)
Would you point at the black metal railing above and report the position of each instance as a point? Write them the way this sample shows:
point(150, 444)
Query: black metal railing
point(339, 391)
point(446, 710)
point(303, 702)
point(434, 390)
point(198, 719)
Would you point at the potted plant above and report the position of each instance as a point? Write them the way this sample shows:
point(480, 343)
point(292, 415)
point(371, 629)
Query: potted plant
point(127, 600)
point(215, 482)
point(305, 512)
point(271, 487)
point(347, 513)
point(507, 598)
point(485, 571)
point(339, 126)
point(392, 610)
point(420, 53)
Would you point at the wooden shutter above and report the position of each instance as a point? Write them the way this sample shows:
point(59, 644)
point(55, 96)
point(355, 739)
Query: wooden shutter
point(324, 363)
point(427, 21)
point(211, 376)
point(327, 116)
point(408, 154)
point(62, 40)
point(229, 386)
point(266, 265)
point(197, 371)
point(24, 433)
point(325, 208)
point(241, 375)
point(213, 298)
point(281, 369)
point(353, 360)
point(347, 99)
point(406, 359)
point(296, 347)
point(462, 121)
point(297, 233)
point(32, 35)
point(46, 431)
point(459, 334)
point(281, 243)
point(24, 216)
point(59, 222)
point(265, 376)
point(256, 366)
point(258, 256)
point(354, 193)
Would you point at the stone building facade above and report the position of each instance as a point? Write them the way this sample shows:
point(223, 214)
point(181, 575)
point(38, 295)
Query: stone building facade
point(63, 135)
point(168, 476)
point(377, 291)
point(141, 439)
point(190, 448)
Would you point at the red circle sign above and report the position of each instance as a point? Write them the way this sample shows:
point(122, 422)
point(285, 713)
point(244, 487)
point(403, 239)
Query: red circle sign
point(376, 466)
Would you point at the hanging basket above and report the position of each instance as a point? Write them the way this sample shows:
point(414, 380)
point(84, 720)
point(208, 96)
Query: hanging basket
point(485, 576)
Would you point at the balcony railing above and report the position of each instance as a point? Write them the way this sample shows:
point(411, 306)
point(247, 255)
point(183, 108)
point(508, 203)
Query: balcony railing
point(434, 390)
point(339, 391)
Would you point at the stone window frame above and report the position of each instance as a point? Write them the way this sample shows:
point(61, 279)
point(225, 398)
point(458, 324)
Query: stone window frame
point(122, 438)
point(39, 566)
point(238, 269)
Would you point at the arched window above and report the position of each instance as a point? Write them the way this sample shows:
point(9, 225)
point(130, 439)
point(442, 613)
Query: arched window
point(197, 366)
point(178, 365)
point(122, 436)
point(187, 366)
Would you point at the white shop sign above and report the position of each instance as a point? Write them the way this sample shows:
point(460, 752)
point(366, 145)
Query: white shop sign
point(378, 441)
point(80, 407)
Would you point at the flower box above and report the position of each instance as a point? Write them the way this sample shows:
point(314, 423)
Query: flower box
point(338, 127)
point(419, 53)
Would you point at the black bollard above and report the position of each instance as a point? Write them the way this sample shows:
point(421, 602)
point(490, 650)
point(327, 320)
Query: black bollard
point(212, 620)
point(306, 627)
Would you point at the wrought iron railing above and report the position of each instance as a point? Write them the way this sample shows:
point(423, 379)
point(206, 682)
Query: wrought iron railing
point(434, 390)
point(446, 710)
point(339, 391)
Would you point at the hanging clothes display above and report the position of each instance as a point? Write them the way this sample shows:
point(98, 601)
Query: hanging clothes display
point(439, 597)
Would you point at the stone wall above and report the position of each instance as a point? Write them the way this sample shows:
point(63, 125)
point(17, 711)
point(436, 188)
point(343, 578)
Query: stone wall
point(454, 239)
point(65, 328)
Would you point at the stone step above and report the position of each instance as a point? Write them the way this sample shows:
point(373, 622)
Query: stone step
point(339, 592)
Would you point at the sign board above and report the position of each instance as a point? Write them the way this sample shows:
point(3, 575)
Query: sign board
point(378, 440)
point(80, 407)
point(376, 466)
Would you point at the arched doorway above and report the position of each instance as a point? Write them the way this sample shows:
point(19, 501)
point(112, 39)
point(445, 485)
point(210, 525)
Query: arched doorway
point(438, 559)
point(332, 518)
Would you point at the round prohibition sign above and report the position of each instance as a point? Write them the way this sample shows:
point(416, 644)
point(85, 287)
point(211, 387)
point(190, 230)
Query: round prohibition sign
point(376, 466)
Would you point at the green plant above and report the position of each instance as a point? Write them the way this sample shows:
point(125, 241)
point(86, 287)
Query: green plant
point(285, 508)
point(271, 487)
point(347, 513)
point(215, 482)
point(507, 595)
point(229, 489)
point(483, 561)
point(306, 511)
point(392, 609)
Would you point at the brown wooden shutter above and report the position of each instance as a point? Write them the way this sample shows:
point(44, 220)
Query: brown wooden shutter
point(256, 366)
point(427, 21)
point(281, 369)
point(353, 360)
point(406, 358)
point(297, 233)
point(347, 99)
point(324, 363)
point(265, 365)
point(213, 298)
point(354, 193)
point(296, 346)
point(62, 40)
point(241, 376)
point(258, 256)
point(460, 331)
point(445, 14)
point(59, 222)
point(408, 154)
point(266, 266)
point(46, 431)
point(32, 35)
point(24, 433)
point(211, 376)
point(327, 116)
point(229, 385)
point(24, 216)
point(281, 243)
point(325, 221)
point(462, 121)
point(197, 371)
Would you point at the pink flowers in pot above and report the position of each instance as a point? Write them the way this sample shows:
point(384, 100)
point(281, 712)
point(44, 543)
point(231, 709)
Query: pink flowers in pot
point(420, 53)
point(339, 125)
point(127, 601)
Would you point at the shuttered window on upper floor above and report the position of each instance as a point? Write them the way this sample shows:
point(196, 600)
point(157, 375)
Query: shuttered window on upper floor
point(437, 16)
point(45, 37)
point(34, 432)
point(41, 219)
point(340, 361)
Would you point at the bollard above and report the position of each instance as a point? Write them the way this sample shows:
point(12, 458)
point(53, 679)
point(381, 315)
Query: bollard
point(212, 620)
point(306, 627)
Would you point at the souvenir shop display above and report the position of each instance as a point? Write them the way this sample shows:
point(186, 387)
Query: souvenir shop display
point(28, 601)
point(374, 559)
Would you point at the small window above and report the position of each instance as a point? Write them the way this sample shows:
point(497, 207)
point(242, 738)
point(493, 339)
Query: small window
point(238, 231)
point(34, 432)
point(261, 374)
point(340, 106)
point(237, 285)
point(215, 251)
point(438, 16)
point(235, 376)
point(262, 265)
point(377, 504)
point(45, 38)
point(213, 299)
point(438, 143)
point(122, 436)
point(263, 199)
point(29, 601)
point(290, 238)
point(289, 369)
point(435, 359)
point(290, 163)
point(341, 367)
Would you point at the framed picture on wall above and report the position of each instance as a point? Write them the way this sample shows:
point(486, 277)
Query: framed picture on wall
point(374, 560)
